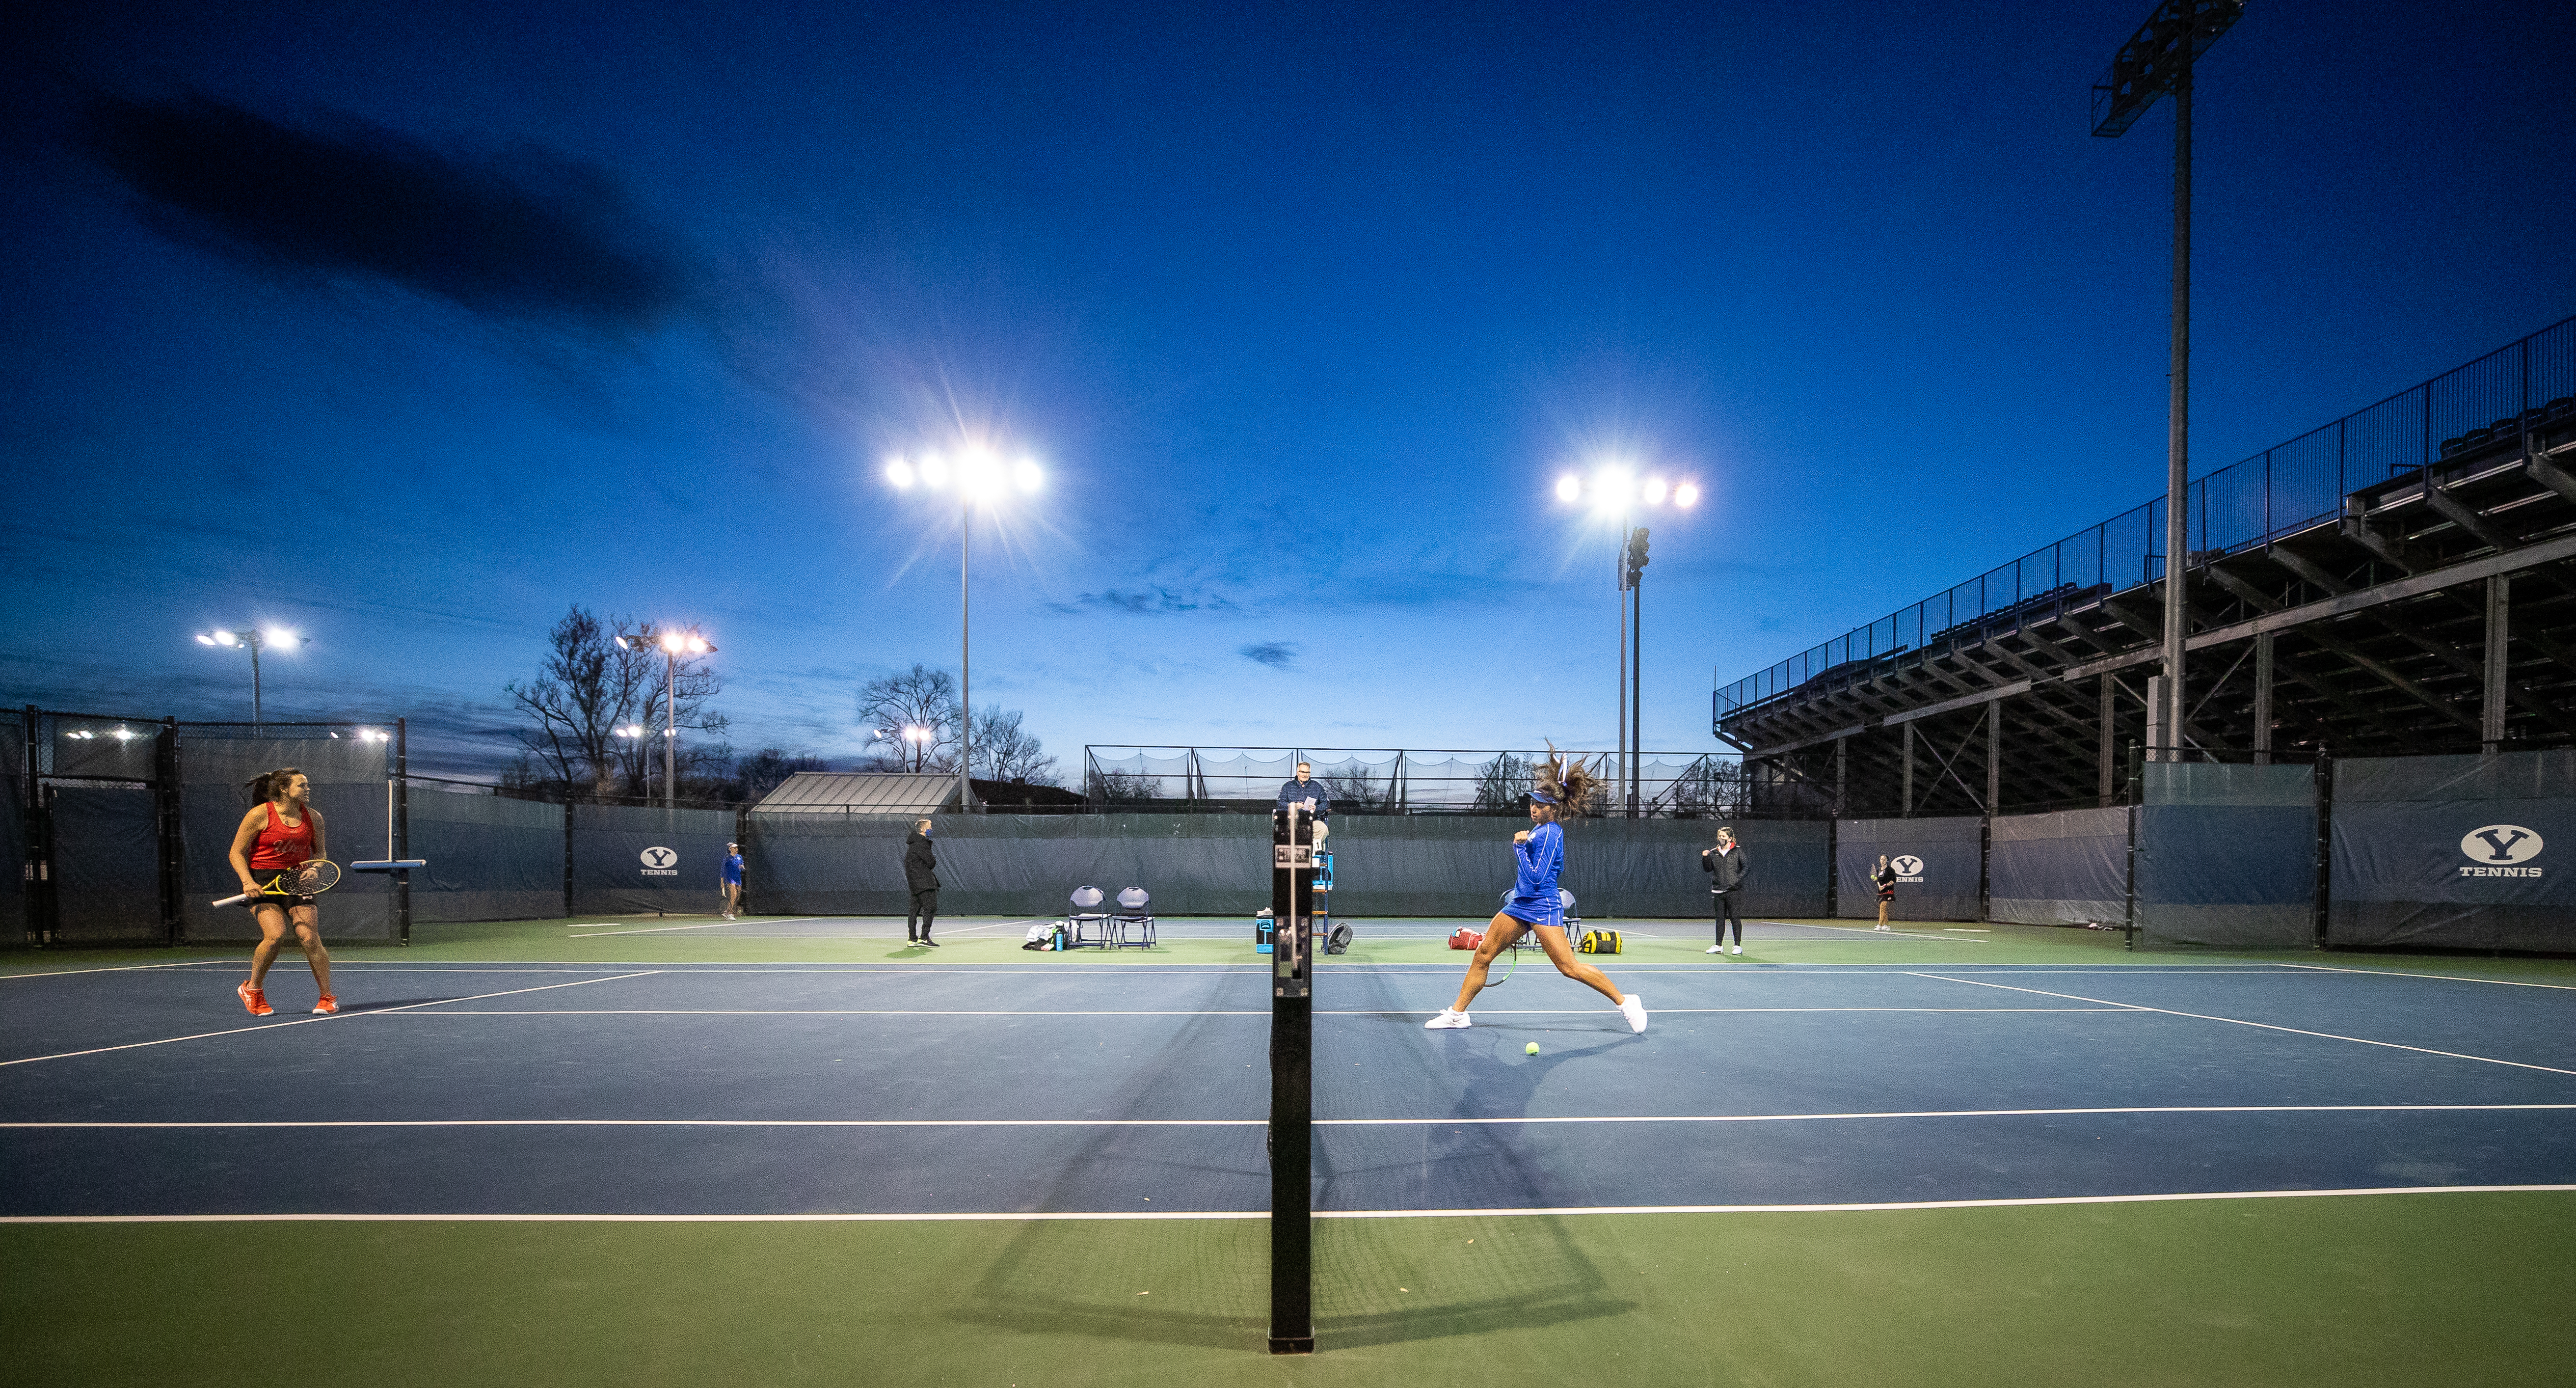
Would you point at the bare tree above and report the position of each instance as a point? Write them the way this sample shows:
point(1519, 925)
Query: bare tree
point(918, 698)
point(578, 699)
point(763, 771)
point(1004, 751)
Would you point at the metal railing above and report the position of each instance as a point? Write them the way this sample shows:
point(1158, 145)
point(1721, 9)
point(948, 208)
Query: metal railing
point(1386, 780)
point(2493, 400)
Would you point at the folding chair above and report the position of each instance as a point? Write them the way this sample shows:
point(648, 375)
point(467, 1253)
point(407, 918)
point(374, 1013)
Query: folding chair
point(1086, 912)
point(1131, 922)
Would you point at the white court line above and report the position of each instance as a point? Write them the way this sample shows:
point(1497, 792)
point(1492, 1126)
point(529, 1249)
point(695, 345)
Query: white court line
point(2266, 1026)
point(304, 1021)
point(1509, 1121)
point(127, 968)
point(1206, 1012)
point(1038, 1216)
point(2446, 978)
point(598, 934)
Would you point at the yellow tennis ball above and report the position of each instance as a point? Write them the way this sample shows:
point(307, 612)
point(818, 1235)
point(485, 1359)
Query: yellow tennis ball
point(1532, 1048)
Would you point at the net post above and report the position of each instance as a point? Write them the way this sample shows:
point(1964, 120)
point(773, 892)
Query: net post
point(1292, 1112)
point(398, 829)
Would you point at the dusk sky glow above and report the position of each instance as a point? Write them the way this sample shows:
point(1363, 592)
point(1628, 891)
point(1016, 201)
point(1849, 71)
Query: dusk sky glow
point(404, 328)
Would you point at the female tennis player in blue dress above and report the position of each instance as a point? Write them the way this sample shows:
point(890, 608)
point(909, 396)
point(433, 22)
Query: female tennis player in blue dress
point(1560, 789)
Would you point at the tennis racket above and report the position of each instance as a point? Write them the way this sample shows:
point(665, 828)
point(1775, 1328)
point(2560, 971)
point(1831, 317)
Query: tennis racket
point(312, 877)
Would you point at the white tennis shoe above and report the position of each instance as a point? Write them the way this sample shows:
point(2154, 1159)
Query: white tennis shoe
point(1739, 949)
point(1717, 949)
point(1449, 1017)
point(1634, 1009)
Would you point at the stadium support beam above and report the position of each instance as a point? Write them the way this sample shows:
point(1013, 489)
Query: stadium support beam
point(2105, 751)
point(2491, 722)
point(2263, 698)
point(1994, 755)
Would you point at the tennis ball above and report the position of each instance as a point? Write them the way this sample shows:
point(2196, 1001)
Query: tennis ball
point(1532, 1048)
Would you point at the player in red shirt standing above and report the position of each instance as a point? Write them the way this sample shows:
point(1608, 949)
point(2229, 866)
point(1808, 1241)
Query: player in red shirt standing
point(275, 837)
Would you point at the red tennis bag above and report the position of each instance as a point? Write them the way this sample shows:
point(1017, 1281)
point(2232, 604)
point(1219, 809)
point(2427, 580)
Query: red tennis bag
point(1465, 938)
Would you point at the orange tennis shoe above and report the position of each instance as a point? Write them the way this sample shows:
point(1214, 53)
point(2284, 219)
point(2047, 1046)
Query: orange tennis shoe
point(253, 999)
point(327, 1006)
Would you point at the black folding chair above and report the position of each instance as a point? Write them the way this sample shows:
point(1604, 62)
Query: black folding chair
point(1132, 923)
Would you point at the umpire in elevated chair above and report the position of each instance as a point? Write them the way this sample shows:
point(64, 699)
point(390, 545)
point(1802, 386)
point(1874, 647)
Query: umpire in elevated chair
point(1305, 789)
point(1726, 868)
point(921, 879)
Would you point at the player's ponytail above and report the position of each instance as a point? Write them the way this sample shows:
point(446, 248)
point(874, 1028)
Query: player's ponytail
point(268, 785)
point(1568, 784)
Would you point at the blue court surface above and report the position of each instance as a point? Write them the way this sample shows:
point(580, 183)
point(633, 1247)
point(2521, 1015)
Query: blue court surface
point(935, 1089)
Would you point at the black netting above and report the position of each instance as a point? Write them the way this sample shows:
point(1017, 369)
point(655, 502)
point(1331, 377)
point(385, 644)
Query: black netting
point(2227, 856)
point(1219, 864)
point(1936, 861)
point(13, 823)
point(490, 858)
point(628, 859)
point(2068, 868)
point(2455, 852)
point(107, 869)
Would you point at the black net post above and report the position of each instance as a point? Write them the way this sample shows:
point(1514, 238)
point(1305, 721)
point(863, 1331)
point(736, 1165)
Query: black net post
point(1292, 1107)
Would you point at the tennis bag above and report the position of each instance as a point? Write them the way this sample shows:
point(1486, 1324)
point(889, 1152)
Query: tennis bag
point(1464, 938)
point(1338, 942)
point(1600, 942)
point(1045, 935)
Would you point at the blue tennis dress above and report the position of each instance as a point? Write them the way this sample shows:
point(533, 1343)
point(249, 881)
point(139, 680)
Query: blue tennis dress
point(1534, 899)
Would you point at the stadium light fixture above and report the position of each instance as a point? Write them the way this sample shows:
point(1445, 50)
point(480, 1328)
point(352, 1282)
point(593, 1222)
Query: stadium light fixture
point(982, 476)
point(1655, 491)
point(256, 639)
point(1686, 496)
point(675, 642)
point(1615, 494)
point(1569, 489)
point(2155, 60)
point(900, 473)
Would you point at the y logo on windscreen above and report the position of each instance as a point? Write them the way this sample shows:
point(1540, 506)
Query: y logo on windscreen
point(660, 862)
point(2500, 850)
point(1908, 867)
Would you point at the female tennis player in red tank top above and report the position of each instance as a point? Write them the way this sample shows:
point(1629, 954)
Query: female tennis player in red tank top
point(275, 837)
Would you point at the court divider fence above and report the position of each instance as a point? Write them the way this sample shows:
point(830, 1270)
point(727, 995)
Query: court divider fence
point(124, 827)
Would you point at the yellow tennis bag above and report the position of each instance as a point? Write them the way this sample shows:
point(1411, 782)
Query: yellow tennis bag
point(1599, 942)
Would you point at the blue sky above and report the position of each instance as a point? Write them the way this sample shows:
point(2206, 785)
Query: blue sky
point(1303, 307)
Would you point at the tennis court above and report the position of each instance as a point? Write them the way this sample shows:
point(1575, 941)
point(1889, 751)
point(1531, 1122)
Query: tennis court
point(1848, 1156)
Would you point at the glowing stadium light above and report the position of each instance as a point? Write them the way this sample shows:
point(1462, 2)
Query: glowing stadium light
point(1569, 489)
point(1686, 495)
point(1613, 488)
point(122, 733)
point(900, 473)
point(279, 636)
point(673, 642)
point(697, 645)
point(934, 471)
point(1026, 473)
point(1654, 491)
point(204, 640)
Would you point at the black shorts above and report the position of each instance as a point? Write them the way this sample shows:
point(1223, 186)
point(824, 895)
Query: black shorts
point(285, 899)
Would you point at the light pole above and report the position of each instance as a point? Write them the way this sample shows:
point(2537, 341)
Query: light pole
point(634, 732)
point(2157, 59)
point(979, 475)
point(254, 638)
point(1615, 494)
point(674, 642)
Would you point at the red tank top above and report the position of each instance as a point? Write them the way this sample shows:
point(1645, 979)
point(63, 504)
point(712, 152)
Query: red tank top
point(282, 846)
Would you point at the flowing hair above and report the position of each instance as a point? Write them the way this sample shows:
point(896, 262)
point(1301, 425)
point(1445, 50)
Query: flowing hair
point(268, 785)
point(1569, 780)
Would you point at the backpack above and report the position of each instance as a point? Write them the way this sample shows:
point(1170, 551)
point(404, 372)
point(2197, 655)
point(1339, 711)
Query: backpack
point(1600, 942)
point(1339, 942)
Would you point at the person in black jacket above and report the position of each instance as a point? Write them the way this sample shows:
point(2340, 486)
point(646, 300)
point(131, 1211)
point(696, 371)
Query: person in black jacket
point(921, 878)
point(1727, 868)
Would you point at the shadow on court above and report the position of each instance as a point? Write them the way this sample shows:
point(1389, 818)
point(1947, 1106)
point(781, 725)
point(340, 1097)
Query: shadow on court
point(1377, 1285)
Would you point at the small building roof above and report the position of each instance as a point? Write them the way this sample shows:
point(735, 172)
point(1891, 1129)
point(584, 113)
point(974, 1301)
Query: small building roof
point(860, 792)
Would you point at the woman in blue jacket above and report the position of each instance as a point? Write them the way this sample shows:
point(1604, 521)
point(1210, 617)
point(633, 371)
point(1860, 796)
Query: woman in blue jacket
point(1560, 789)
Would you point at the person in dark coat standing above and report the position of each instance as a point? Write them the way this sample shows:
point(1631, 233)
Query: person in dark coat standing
point(1726, 868)
point(921, 878)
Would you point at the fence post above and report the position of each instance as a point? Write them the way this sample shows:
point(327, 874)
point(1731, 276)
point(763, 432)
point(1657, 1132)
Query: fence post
point(568, 854)
point(165, 825)
point(2129, 922)
point(1833, 868)
point(401, 828)
point(2325, 843)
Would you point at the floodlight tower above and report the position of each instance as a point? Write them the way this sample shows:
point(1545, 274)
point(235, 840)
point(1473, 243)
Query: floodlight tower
point(254, 638)
point(2155, 60)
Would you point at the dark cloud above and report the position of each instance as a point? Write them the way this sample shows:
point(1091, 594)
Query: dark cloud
point(1144, 602)
point(543, 238)
point(1278, 655)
